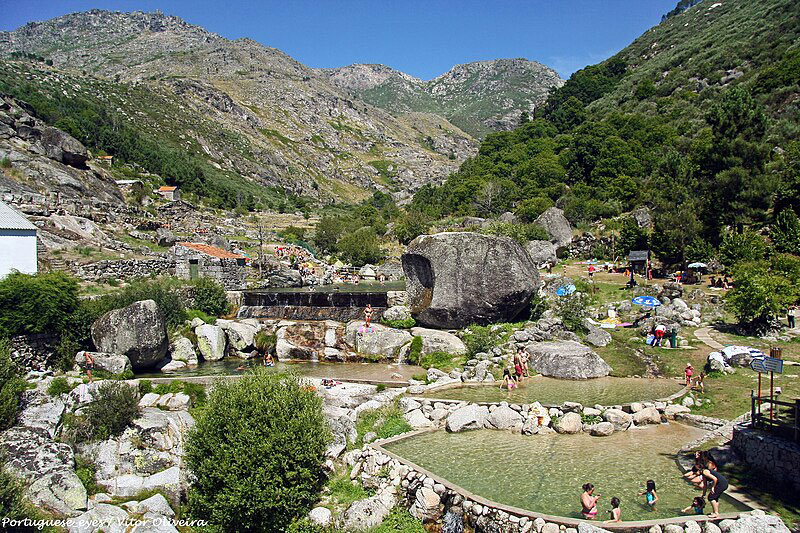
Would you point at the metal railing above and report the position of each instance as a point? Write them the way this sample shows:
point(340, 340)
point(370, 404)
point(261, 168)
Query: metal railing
point(775, 416)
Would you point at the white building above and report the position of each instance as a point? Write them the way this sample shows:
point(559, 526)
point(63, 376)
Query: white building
point(17, 242)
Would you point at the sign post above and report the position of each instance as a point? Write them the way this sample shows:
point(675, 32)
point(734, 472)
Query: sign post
point(773, 363)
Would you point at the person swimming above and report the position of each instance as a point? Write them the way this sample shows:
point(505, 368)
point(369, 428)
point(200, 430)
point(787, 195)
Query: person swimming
point(589, 502)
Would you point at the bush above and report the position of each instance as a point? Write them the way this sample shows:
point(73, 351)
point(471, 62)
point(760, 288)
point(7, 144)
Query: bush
point(742, 247)
point(145, 387)
point(86, 472)
point(36, 303)
point(572, 311)
point(113, 409)
point(479, 339)
point(164, 291)
point(256, 452)
point(59, 386)
point(405, 323)
point(210, 297)
point(400, 521)
point(415, 351)
point(442, 360)
point(786, 232)
point(529, 210)
point(11, 387)
point(759, 294)
point(306, 526)
point(13, 504)
point(195, 391)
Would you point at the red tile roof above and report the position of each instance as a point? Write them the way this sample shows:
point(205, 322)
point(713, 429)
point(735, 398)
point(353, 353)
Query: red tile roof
point(211, 250)
point(167, 189)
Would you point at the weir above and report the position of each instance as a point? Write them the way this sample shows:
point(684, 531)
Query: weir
point(322, 303)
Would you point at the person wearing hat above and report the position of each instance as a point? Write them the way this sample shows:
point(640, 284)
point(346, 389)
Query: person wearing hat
point(687, 374)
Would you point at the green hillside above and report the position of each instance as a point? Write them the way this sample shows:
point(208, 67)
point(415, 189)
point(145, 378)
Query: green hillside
point(696, 119)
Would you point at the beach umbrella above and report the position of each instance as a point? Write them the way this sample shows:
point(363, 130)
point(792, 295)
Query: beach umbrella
point(648, 301)
point(697, 265)
point(565, 290)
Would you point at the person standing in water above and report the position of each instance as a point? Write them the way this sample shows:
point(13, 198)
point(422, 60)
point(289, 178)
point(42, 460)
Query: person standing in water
point(589, 502)
point(650, 494)
point(716, 482)
point(615, 511)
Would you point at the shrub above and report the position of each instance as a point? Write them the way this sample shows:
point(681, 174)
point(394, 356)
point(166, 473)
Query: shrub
point(113, 409)
point(86, 472)
point(400, 521)
point(441, 360)
point(521, 233)
point(415, 351)
point(59, 386)
point(479, 339)
point(786, 232)
point(380, 387)
point(195, 391)
point(11, 387)
point(742, 247)
point(197, 313)
point(572, 311)
point(13, 504)
point(256, 453)
point(5, 162)
point(164, 291)
point(759, 294)
point(305, 526)
point(529, 209)
point(210, 297)
point(35, 303)
point(145, 387)
point(404, 323)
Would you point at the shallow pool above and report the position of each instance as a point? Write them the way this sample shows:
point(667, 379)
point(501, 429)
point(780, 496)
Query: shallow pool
point(545, 473)
point(340, 371)
point(550, 391)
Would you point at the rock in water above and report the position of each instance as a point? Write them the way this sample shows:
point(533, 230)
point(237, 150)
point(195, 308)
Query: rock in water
point(461, 278)
point(137, 331)
point(566, 360)
point(556, 225)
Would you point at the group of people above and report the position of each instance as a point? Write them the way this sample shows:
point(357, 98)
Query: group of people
point(514, 373)
point(704, 475)
point(696, 383)
point(721, 282)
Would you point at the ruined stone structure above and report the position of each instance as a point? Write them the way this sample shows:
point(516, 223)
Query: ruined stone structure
point(196, 260)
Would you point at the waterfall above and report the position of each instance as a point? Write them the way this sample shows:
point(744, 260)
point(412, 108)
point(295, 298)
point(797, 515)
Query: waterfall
point(453, 523)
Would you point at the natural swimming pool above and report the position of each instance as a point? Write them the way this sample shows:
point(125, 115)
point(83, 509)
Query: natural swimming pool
point(545, 473)
point(550, 391)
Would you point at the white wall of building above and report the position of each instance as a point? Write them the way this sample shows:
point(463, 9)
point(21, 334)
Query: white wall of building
point(17, 251)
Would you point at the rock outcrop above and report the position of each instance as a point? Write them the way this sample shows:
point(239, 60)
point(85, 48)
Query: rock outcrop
point(556, 225)
point(137, 331)
point(566, 360)
point(460, 278)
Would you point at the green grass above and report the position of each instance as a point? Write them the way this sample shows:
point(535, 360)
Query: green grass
point(343, 492)
point(386, 422)
point(778, 499)
point(59, 386)
point(195, 391)
point(442, 360)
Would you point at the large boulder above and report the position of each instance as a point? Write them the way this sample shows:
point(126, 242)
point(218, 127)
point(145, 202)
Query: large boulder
point(397, 313)
point(114, 363)
point(503, 417)
point(137, 331)
point(569, 423)
point(620, 419)
point(542, 252)
point(366, 514)
point(377, 339)
point(210, 342)
point(434, 340)
point(648, 415)
point(470, 416)
point(461, 278)
point(556, 225)
point(182, 350)
point(241, 335)
point(597, 336)
point(63, 147)
point(566, 360)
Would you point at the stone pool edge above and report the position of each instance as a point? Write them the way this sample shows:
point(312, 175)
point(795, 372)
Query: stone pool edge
point(637, 525)
point(454, 385)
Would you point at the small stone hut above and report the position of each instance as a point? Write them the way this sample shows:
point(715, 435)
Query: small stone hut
point(170, 193)
point(198, 260)
point(639, 260)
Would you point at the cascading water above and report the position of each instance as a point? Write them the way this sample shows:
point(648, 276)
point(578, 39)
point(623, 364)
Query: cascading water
point(452, 523)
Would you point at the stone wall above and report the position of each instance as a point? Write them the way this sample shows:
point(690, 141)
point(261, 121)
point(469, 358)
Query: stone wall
point(226, 271)
point(776, 457)
point(34, 352)
point(125, 269)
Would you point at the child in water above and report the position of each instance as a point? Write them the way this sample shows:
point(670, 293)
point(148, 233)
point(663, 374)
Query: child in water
point(650, 494)
point(508, 380)
point(697, 507)
point(615, 511)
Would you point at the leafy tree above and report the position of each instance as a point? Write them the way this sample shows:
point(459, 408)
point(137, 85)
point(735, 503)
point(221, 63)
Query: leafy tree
point(786, 232)
point(360, 247)
point(327, 233)
point(410, 226)
point(530, 209)
point(256, 452)
point(742, 247)
point(759, 294)
point(632, 237)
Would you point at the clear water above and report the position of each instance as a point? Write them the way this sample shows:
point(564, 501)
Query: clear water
point(363, 286)
point(545, 473)
point(550, 391)
point(340, 371)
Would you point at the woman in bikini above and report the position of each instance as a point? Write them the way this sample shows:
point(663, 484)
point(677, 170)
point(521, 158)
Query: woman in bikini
point(589, 502)
point(717, 484)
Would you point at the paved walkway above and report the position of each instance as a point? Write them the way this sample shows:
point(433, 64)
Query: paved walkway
point(704, 336)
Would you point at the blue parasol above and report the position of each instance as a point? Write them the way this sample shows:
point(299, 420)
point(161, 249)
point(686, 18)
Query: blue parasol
point(648, 301)
point(565, 290)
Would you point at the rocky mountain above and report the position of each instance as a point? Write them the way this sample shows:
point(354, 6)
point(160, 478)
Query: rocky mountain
point(245, 114)
point(478, 97)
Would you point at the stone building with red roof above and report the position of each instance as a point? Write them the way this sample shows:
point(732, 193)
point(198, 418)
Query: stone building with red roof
point(195, 260)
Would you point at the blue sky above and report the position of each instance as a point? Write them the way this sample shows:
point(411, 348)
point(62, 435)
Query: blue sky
point(422, 38)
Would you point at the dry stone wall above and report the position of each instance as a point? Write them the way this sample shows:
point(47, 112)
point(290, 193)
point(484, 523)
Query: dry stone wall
point(776, 457)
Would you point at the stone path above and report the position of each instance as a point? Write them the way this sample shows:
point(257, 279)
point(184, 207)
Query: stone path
point(704, 336)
